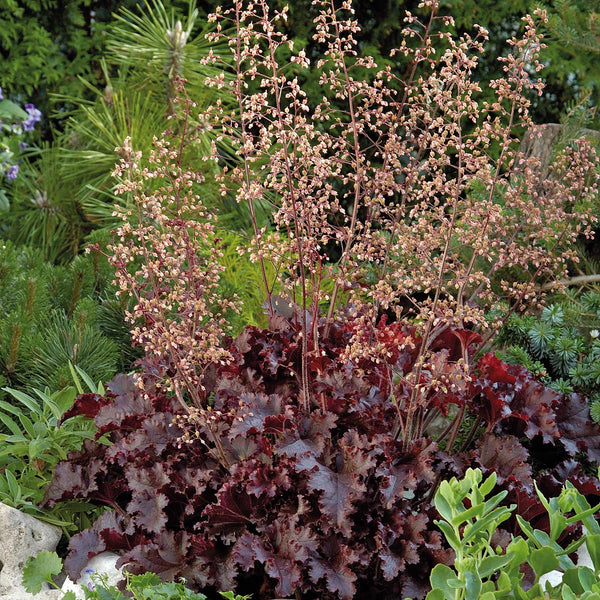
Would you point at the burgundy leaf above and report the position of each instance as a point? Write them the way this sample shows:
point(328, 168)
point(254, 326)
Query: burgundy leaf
point(106, 534)
point(390, 565)
point(287, 546)
point(570, 470)
point(334, 568)
point(506, 457)
point(127, 409)
point(338, 492)
point(532, 404)
point(234, 507)
point(341, 489)
point(82, 547)
point(455, 341)
point(70, 480)
point(577, 432)
point(87, 405)
point(165, 557)
point(149, 479)
point(490, 404)
point(491, 368)
point(507, 395)
point(329, 501)
point(260, 412)
point(410, 468)
point(413, 537)
point(147, 508)
point(266, 480)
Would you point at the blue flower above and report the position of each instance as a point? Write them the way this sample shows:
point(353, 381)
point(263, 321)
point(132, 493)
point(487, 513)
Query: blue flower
point(33, 112)
point(23, 145)
point(12, 173)
point(34, 117)
point(1, 94)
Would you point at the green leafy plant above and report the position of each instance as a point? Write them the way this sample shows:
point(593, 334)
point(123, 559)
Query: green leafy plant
point(482, 571)
point(69, 190)
point(35, 442)
point(239, 268)
point(147, 586)
point(48, 46)
point(157, 46)
point(44, 212)
point(15, 124)
point(468, 528)
point(40, 570)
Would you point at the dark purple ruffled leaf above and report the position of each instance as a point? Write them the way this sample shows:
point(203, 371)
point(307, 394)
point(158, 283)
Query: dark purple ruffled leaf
point(577, 431)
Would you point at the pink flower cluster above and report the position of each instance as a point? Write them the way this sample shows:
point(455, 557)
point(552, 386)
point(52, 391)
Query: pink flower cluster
point(415, 185)
point(167, 256)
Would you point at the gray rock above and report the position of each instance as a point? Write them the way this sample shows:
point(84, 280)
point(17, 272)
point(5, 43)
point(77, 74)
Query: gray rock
point(103, 564)
point(23, 595)
point(22, 536)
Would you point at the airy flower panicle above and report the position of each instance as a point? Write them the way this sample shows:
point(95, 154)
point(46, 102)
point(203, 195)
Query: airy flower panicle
point(167, 256)
point(416, 186)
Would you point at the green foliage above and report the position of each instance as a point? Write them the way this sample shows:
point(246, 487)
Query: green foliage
point(47, 45)
point(147, 586)
point(50, 315)
point(570, 58)
point(575, 42)
point(93, 131)
point(243, 278)
point(44, 211)
point(156, 46)
point(32, 443)
point(40, 569)
point(561, 347)
point(572, 41)
point(482, 572)
point(62, 340)
point(68, 190)
point(468, 529)
point(16, 126)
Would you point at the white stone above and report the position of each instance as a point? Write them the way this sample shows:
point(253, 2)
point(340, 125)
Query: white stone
point(102, 564)
point(23, 536)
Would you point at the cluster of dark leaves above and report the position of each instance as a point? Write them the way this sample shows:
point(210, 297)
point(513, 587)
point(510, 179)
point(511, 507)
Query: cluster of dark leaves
point(533, 434)
point(328, 504)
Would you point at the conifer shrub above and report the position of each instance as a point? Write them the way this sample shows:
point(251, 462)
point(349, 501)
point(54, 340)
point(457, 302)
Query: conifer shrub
point(561, 346)
point(52, 315)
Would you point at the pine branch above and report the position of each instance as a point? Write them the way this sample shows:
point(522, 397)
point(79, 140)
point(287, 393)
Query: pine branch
point(569, 281)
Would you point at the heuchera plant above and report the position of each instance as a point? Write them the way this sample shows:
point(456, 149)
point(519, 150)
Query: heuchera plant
point(298, 461)
point(261, 497)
